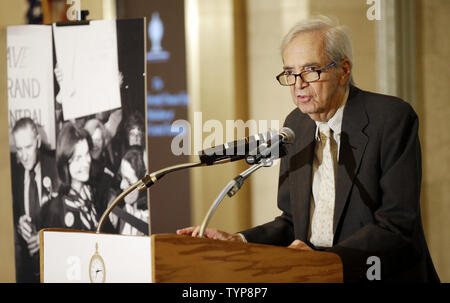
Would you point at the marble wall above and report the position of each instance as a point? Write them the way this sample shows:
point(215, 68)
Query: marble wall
point(11, 13)
point(434, 112)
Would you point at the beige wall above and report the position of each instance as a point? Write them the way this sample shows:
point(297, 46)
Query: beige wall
point(434, 112)
point(267, 23)
point(352, 13)
point(11, 13)
point(216, 70)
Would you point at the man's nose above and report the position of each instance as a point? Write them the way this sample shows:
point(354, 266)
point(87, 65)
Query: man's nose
point(299, 83)
point(24, 155)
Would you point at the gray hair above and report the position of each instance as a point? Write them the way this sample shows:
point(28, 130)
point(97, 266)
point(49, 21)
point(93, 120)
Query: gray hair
point(338, 45)
point(23, 123)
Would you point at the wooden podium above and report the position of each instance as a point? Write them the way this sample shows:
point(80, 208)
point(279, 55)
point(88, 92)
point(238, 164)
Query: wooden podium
point(181, 259)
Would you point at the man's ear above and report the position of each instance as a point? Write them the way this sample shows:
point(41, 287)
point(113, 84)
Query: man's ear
point(346, 69)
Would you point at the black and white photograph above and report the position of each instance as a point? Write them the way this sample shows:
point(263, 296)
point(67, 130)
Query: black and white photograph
point(77, 131)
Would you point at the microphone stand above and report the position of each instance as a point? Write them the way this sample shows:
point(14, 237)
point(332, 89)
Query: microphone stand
point(231, 189)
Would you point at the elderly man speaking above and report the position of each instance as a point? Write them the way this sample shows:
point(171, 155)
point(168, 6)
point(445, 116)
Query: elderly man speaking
point(350, 183)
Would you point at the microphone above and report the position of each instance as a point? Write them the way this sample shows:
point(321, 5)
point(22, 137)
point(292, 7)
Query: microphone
point(273, 148)
point(268, 152)
point(233, 151)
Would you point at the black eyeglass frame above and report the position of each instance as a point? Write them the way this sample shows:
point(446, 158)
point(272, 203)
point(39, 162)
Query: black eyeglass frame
point(304, 72)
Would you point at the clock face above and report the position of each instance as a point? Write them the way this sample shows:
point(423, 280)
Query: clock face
point(97, 269)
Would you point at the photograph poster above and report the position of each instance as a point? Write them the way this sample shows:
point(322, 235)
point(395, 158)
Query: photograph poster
point(77, 119)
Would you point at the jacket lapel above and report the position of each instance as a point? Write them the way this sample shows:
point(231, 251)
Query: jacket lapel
point(300, 176)
point(353, 145)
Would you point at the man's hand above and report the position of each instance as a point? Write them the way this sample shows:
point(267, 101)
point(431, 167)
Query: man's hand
point(298, 244)
point(24, 227)
point(67, 89)
point(33, 244)
point(28, 232)
point(210, 233)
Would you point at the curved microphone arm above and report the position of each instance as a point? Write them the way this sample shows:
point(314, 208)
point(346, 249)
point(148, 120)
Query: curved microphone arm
point(141, 185)
point(213, 207)
point(231, 189)
point(116, 201)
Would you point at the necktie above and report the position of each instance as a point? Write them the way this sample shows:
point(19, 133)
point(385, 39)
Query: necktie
point(322, 221)
point(33, 199)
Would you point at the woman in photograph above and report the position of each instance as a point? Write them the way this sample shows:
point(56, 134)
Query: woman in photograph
point(135, 130)
point(102, 173)
point(73, 208)
point(131, 133)
point(132, 217)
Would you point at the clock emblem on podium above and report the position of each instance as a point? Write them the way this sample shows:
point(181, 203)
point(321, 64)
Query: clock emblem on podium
point(97, 270)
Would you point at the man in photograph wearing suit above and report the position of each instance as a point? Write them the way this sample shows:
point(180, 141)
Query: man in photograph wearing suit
point(33, 173)
point(350, 183)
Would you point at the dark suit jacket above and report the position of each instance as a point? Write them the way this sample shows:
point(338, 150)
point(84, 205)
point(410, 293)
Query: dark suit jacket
point(27, 268)
point(377, 204)
point(48, 169)
point(60, 212)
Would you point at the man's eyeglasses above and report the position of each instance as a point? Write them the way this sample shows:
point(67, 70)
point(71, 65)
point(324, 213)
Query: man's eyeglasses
point(306, 76)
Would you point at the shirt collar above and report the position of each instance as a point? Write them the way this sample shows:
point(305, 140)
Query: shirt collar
point(335, 123)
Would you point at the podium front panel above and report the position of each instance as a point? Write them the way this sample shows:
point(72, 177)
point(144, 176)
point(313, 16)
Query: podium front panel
point(82, 257)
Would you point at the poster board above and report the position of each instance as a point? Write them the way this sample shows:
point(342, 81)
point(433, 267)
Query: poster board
point(77, 141)
point(30, 78)
point(87, 63)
